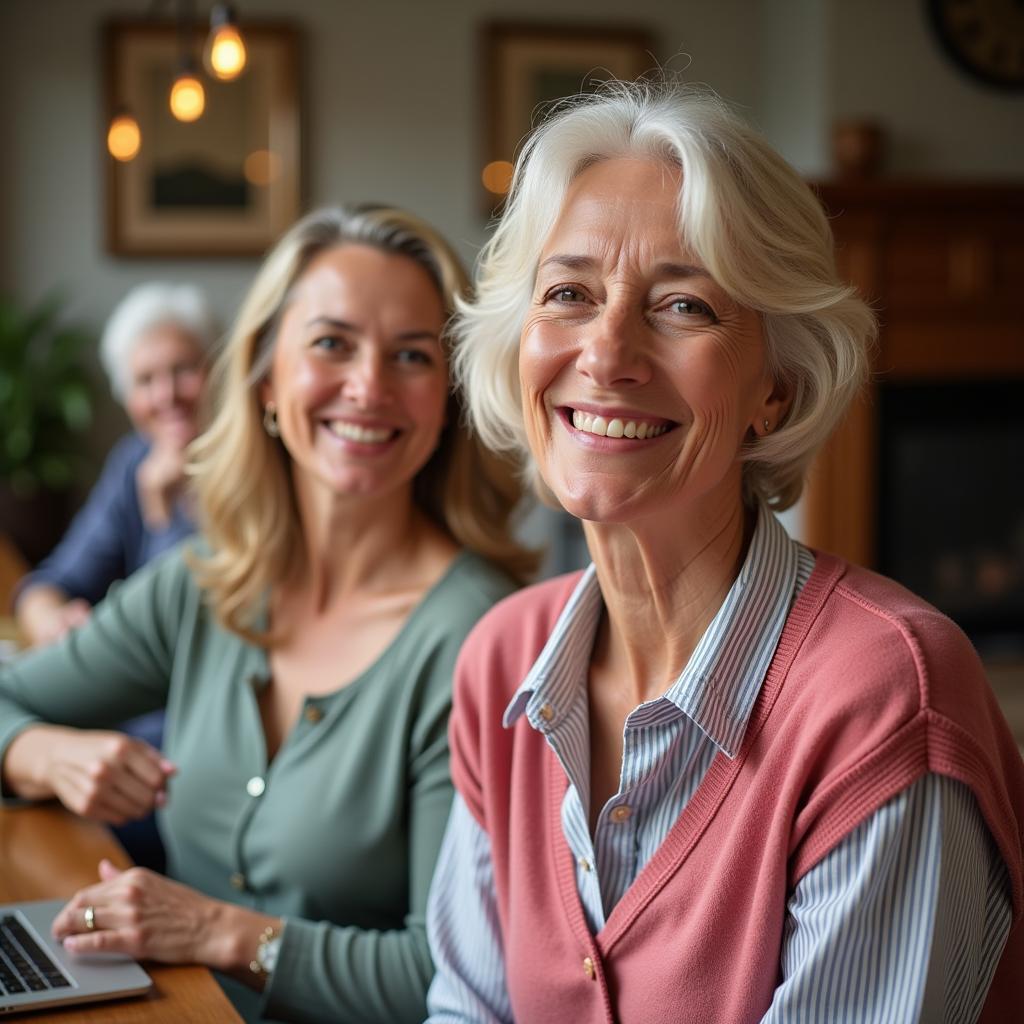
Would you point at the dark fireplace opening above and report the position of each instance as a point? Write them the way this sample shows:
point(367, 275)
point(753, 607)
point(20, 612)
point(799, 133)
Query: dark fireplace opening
point(951, 502)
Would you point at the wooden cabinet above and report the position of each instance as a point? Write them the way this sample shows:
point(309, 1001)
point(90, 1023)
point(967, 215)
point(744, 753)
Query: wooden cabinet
point(12, 568)
point(943, 267)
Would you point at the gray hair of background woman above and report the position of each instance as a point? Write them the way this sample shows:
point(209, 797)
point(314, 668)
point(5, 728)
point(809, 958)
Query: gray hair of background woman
point(150, 305)
point(743, 211)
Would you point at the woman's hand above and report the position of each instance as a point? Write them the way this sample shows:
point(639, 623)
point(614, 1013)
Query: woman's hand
point(97, 774)
point(150, 917)
point(146, 916)
point(159, 479)
point(68, 616)
point(45, 613)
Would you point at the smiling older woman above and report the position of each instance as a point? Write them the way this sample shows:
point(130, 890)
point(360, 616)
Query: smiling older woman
point(717, 776)
point(155, 349)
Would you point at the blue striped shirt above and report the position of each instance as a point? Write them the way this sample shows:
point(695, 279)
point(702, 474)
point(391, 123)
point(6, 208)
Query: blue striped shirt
point(904, 920)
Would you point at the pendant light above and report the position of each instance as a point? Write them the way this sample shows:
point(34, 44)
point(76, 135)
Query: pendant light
point(225, 54)
point(188, 97)
point(123, 136)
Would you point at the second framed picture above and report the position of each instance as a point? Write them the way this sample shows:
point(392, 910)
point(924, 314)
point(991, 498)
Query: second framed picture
point(528, 66)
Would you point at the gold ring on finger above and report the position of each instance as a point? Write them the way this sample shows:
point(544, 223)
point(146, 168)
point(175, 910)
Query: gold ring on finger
point(90, 917)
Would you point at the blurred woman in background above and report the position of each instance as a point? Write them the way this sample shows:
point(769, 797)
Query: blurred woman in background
point(352, 533)
point(155, 350)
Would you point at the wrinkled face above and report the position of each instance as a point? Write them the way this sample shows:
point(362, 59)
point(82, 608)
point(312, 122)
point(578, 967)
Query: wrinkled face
point(358, 378)
point(640, 377)
point(166, 373)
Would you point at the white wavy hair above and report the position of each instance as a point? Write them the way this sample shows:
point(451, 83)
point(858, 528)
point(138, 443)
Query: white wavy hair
point(156, 303)
point(759, 230)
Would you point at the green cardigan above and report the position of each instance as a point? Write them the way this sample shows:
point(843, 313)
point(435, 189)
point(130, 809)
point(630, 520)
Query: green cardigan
point(339, 833)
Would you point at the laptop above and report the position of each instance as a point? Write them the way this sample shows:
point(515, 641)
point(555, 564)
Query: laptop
point(36, 971)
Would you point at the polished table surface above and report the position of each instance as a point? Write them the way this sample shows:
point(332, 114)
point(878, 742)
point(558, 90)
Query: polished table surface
point(48, 853)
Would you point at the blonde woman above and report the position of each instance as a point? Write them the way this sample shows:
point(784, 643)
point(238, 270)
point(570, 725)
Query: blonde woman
point(352, 534)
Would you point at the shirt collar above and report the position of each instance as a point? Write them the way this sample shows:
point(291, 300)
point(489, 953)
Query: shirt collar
point(719, 685)
point(562, 665)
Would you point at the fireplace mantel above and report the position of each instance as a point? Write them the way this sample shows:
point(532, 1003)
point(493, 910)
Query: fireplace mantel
point(943, 266)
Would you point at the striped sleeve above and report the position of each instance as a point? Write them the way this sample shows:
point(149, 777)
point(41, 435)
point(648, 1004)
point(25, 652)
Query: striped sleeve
point(463, 929)
point(904, 920)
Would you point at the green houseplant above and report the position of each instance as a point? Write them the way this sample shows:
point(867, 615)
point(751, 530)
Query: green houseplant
point(45, 400)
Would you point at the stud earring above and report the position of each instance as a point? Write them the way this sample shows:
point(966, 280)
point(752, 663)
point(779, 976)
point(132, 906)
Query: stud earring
point(270, 420)
point(767, 428)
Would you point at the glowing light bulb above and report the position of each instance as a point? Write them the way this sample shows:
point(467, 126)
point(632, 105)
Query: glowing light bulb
point(224, 54)
point(123, 137)
point(497, 177)
point(227, 53)
point(188, 98)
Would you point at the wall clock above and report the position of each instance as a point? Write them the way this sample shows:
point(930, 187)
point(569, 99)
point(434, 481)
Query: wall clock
point(984, 38)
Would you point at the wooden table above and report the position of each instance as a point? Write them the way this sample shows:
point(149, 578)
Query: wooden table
point(45, 853)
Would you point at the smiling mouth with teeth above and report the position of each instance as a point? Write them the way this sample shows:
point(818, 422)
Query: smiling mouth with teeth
point(636, 429)
point(364, 435)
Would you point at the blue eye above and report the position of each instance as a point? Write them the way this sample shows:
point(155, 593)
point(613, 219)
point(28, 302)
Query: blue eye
point(690, 307)
point(565, 293)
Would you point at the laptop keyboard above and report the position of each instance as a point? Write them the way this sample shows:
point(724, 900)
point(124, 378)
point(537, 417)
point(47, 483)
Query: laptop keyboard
point(24, 967)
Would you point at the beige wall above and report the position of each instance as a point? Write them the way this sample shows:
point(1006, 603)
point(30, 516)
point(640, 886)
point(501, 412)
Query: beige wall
point(391, 92)
point(886, 64)
point(392, 112)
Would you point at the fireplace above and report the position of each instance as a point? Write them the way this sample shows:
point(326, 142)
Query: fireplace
point(924, 480)
point(951, 502)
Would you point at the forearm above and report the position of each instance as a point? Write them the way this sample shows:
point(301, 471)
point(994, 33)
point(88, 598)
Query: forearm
point(233, 936)
point(914, 903)
point(112, 667)
point(25, 768)
point(350, 975)
point(95, 773)
point(465, 930)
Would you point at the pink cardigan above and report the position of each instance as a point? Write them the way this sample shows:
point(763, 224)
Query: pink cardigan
point(869, 689)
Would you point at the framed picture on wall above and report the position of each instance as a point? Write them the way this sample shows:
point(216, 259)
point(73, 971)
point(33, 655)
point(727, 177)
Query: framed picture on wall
point(224, 184)
point(527, 66)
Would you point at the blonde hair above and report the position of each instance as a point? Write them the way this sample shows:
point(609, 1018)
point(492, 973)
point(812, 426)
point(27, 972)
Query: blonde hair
point(247, 509)
point(747, 215)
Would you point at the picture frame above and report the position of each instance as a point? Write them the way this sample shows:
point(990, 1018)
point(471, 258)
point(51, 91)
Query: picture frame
point(227, 184)
point(527, 65)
